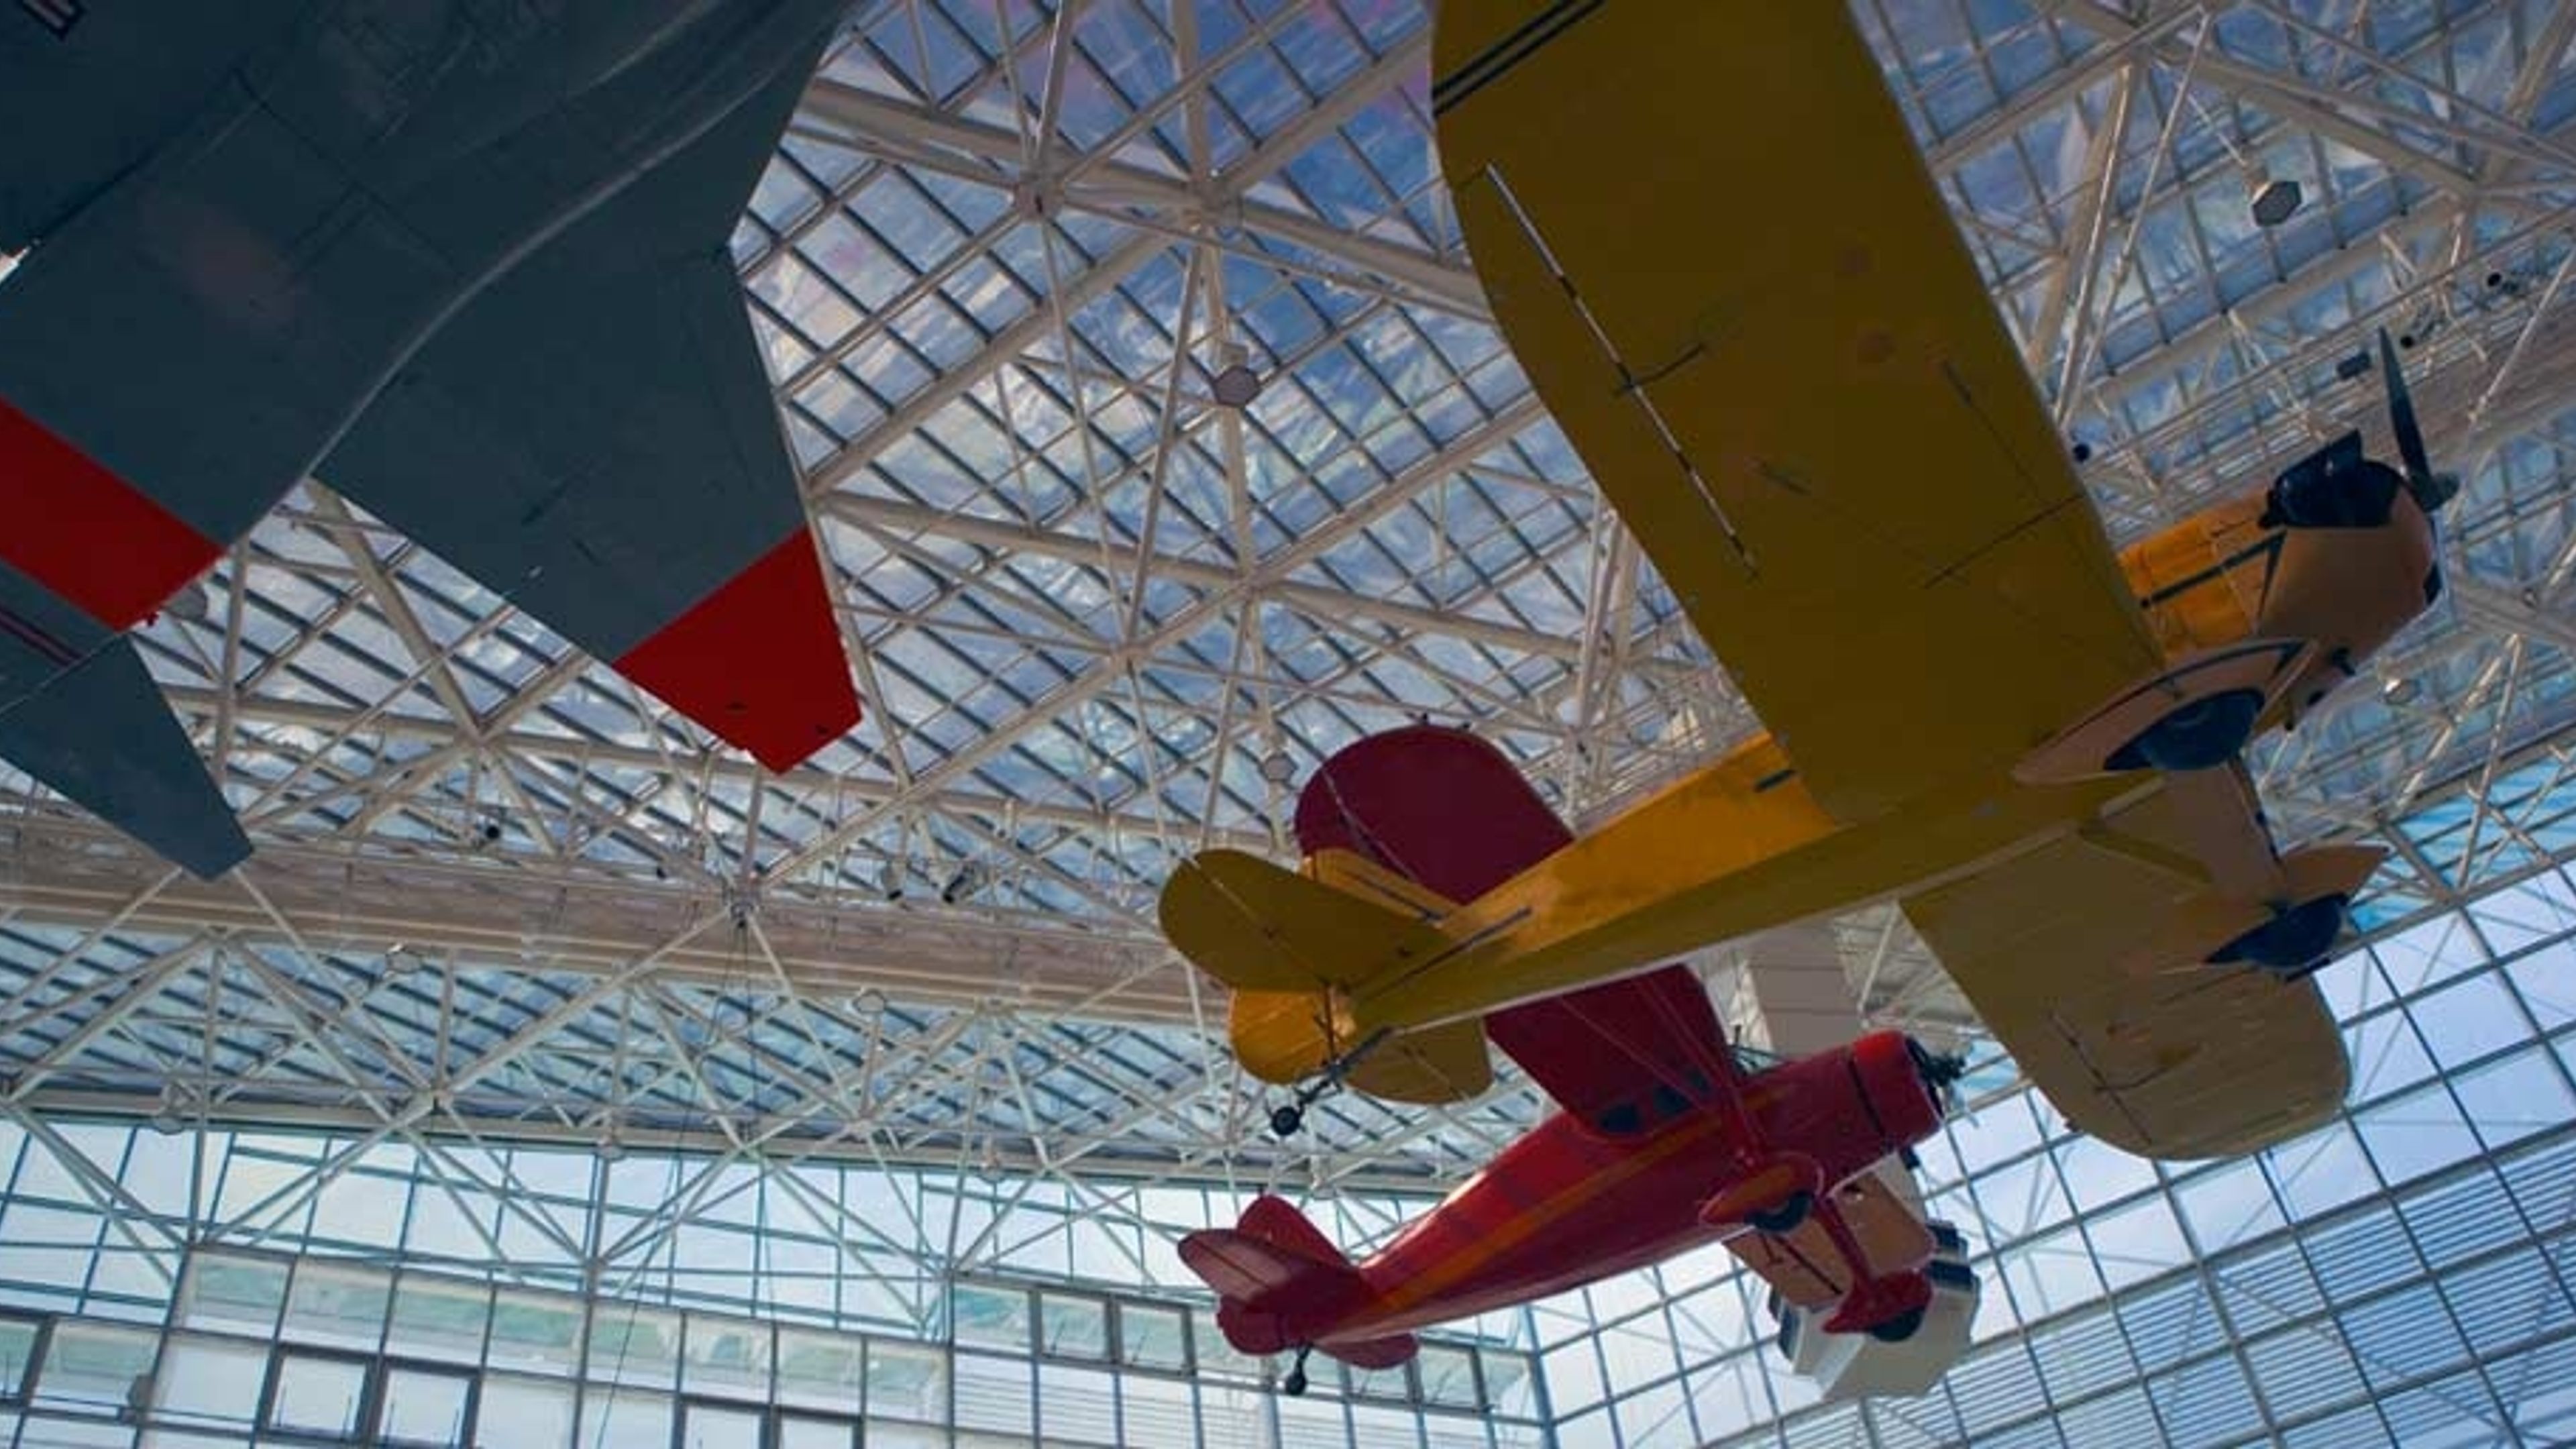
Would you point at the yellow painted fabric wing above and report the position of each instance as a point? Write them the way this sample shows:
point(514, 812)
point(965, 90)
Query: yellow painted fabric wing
point(2084, 956)
point(1711, 241)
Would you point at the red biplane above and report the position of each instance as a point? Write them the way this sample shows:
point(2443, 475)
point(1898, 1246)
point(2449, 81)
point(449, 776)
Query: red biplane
point(1669, 1137)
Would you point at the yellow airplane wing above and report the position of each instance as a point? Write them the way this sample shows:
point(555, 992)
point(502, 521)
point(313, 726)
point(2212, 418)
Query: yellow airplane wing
point(1710, 239)
point(2086, 959)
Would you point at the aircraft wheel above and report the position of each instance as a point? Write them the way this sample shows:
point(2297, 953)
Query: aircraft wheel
point(1900, 1328)
point(1284, 1121)
point(2202, 735)
point(1787, 1217)
point(2290, 942)
point(1294, 1386)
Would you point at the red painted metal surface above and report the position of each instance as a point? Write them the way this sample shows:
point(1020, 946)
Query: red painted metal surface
point(1572, 1201)
point(759, 661)
point(85, 533)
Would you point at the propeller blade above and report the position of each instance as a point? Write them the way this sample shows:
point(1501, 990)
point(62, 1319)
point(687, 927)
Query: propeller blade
point(2431, 490)
point(1941, 1073)
point(2401, 412)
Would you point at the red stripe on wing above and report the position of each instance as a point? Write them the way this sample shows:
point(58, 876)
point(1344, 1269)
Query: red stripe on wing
point(758, 661)
point(87, 534)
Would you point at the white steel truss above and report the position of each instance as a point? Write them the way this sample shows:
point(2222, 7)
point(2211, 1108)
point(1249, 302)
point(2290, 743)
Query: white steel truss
point(1102, 619)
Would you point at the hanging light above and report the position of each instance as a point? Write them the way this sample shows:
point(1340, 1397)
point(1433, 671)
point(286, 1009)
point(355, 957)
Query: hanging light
point(2272, 199)
point(1235, 384)
point(966, 881)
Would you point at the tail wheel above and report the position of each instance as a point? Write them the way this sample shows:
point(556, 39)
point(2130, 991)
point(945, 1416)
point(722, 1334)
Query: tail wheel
point(2293, 942)
point(2202, 735)
point(1788, 1217)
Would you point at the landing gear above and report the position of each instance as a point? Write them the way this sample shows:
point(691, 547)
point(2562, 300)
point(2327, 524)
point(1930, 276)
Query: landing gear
point(1286, 1118)
point(2202, 735)
point(2292, 943)
point(1294, 1385)
point(1788, 1217)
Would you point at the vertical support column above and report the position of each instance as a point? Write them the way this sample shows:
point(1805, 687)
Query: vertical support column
point(1792, 997)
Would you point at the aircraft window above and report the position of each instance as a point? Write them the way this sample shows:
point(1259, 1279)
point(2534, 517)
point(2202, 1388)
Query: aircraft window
point(1750, 1060)
point(1669, 1102)
point(1621, 1118)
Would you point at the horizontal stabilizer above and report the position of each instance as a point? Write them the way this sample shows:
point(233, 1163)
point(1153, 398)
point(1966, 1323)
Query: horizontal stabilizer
point(1287, 1036)
point(101, 735)
point(1352, 873)
point(1374, 1353)
point(1274, 1261)
point(1256, 927)
point(1435, 1065)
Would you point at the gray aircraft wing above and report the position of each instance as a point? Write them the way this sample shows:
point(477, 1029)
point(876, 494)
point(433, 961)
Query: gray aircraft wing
point(79, 712)
point(594, 437)
point(60, 58)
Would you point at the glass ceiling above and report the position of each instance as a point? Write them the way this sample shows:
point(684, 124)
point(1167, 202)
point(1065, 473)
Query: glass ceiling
point(1103, 620)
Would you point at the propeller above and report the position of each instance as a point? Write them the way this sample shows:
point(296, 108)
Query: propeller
point(2429, 489)
point(1941, 1072)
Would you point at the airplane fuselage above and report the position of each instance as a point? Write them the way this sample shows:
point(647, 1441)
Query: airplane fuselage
point(1565, 1206)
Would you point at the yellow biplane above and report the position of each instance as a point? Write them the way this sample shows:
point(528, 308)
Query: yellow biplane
point(1812, 420)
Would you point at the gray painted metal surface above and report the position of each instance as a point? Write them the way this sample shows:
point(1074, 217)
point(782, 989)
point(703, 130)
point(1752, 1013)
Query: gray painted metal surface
point(247, 220)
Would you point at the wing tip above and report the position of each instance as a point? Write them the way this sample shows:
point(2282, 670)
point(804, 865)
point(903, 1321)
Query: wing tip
point(759, 661)
point(209, 856)
point(101, 736)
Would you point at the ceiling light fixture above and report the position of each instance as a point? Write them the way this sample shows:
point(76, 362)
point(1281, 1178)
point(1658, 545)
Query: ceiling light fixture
point(1235, 384)
point(2272, 199)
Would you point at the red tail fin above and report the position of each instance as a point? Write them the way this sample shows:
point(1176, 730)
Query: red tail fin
point(1281, 1283)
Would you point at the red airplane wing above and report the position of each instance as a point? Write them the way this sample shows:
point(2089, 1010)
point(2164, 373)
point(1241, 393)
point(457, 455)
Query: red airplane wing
point(1626, 1055)
point(1453, 813)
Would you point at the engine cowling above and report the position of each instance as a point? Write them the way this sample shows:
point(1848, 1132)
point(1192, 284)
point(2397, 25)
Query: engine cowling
point(1904, 1105)
point(1848, 1107)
